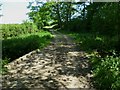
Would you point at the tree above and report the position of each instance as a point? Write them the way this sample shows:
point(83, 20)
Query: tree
point(57, 11)
point(108, 17)
point(42, 13)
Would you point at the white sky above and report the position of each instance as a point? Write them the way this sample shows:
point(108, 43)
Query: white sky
point(14, 11)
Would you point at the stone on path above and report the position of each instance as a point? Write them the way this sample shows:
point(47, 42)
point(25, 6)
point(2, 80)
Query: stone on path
point(59, 65)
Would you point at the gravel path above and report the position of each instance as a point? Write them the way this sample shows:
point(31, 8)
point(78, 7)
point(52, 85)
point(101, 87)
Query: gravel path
point(61, 65)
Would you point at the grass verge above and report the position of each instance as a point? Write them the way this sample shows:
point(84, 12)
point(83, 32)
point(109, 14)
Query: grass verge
point(103, 52)
point(13, 48)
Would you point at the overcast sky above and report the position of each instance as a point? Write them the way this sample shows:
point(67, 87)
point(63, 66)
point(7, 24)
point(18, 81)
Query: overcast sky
point(14, 11)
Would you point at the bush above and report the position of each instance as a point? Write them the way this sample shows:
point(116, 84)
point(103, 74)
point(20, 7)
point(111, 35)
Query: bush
point(16, 47)
point(14, 30)
point(106, 19)
point(105, 62)
point(3, 69)
point(106, 73)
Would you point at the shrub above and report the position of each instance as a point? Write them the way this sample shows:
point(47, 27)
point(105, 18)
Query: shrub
point(13, 30)
point(16, 47)
point(3, 69)
point(106, 73)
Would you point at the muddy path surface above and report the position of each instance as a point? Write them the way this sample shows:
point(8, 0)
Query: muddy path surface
point(61, 65)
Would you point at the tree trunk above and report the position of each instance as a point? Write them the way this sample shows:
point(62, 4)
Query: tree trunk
point(58, 15)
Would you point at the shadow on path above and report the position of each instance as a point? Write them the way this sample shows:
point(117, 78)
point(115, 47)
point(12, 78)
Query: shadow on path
point(61, 65)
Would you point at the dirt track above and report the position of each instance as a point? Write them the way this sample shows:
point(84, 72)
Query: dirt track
point(61, 65)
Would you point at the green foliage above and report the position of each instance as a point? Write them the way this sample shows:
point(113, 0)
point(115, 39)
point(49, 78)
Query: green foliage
point(40, 14)
point(105, 20)
point(106, 73)
point(3, 69)
point(55, 12)
point(14, 30)
point(76, 25)
point(18, 46)
point(98, 22)
point(19, 39)
point(103, 57)
point(91, 41)
point(97, 32)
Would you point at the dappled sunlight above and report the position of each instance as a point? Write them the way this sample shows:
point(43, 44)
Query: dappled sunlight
point(55, 66)
point(75, 53)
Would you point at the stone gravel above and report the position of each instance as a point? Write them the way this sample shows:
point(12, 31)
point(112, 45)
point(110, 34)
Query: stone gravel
point(61, 65)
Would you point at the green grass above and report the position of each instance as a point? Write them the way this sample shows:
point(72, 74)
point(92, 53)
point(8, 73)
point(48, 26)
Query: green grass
point(106, 73)
point(2, 64)
point(91, 42)
point(14, 30)
point(15, 47)
point(103, 52)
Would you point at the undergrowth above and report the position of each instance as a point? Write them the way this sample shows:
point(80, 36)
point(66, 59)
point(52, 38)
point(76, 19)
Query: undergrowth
point(15, 47)
point(104, 58)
